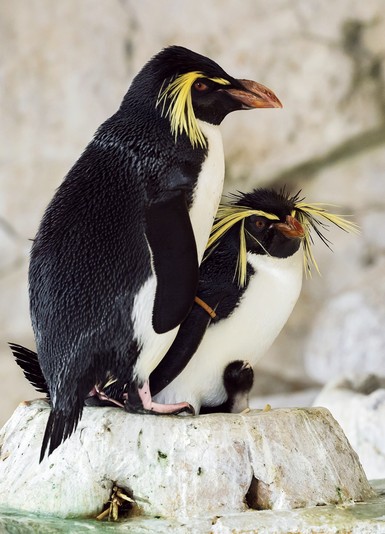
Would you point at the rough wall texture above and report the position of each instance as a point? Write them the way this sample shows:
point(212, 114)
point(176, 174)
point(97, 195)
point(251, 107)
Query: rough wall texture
point(66, 65)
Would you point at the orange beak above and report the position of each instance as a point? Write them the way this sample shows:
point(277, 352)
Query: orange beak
point(291, 228)
point(255, 95)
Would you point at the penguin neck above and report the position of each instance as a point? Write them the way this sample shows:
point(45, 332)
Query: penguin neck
point(278, 267)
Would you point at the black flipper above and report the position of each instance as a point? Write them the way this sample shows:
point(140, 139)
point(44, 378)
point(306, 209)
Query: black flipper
point(171, 238)
point(27, 360)
point(185, 345)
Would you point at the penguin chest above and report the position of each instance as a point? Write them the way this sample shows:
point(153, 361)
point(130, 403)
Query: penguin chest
point(255, 323)
point(262, 311)
point(208, 190)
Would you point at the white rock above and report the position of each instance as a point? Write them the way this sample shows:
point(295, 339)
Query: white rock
point(361, 518)
point(181, 466)
point(348, 334)
point(358, 404)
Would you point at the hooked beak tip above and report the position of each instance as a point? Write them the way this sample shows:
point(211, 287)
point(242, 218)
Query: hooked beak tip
point(292, 228)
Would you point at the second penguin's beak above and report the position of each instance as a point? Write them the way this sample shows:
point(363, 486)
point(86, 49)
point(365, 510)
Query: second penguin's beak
point(292, 228)
point(254, 95)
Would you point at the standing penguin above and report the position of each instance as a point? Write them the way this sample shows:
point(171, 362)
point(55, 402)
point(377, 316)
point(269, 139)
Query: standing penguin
point(114, 265)
point(249, 283)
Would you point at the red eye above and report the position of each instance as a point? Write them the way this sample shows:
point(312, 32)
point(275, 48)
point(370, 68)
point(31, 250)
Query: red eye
point(200, 86)
point(260, 224)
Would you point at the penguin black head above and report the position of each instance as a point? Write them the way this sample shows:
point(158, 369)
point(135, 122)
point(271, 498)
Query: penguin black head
point(185, 86)
point(274, 231)
point(272, 223)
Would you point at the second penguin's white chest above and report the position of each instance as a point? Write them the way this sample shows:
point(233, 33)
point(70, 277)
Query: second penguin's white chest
point(208, 190)
point(262, 311)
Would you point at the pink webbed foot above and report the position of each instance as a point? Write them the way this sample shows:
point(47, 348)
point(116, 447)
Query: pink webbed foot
point(156, 408)
point(150, 405)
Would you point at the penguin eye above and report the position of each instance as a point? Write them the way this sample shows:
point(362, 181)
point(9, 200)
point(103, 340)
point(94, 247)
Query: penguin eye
point(200, 86)
point(260, 224)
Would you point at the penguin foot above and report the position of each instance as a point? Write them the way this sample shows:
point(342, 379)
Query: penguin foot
point(97, 397)
point(149, 406)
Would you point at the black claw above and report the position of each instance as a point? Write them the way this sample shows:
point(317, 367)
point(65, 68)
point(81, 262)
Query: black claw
point(186, 409)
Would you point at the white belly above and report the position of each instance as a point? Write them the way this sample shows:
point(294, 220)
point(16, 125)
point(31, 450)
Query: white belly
point(206, 197)
point(246, 335)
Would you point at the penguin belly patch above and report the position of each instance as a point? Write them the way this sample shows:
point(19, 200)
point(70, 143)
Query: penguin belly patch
point(153, 346)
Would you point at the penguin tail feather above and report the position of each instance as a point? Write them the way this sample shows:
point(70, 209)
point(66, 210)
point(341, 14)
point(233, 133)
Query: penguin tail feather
point(60, 426)
point(28, 361)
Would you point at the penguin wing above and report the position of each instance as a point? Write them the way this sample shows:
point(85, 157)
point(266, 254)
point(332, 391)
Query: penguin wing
point(175, 262)
point(186, 343)
point(222, 296)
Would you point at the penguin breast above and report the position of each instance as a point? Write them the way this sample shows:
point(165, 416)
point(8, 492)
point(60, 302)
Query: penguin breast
point(208, 189)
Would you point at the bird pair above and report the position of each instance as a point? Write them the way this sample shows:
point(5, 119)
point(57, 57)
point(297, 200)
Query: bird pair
point(114, 267)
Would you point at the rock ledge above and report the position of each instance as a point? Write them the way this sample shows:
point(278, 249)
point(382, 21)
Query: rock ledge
point(179, 467)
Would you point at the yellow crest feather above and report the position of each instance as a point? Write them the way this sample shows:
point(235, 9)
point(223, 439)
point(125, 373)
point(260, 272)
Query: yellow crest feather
point(176, 103)
point(310, 215)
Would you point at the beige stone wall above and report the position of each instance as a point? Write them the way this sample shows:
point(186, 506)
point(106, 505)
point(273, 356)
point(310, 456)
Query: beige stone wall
point(66, 65)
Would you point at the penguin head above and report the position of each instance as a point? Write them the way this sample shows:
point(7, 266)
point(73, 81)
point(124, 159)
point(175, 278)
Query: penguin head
point(273, 230)
point(272, 223)
point(186, 86)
